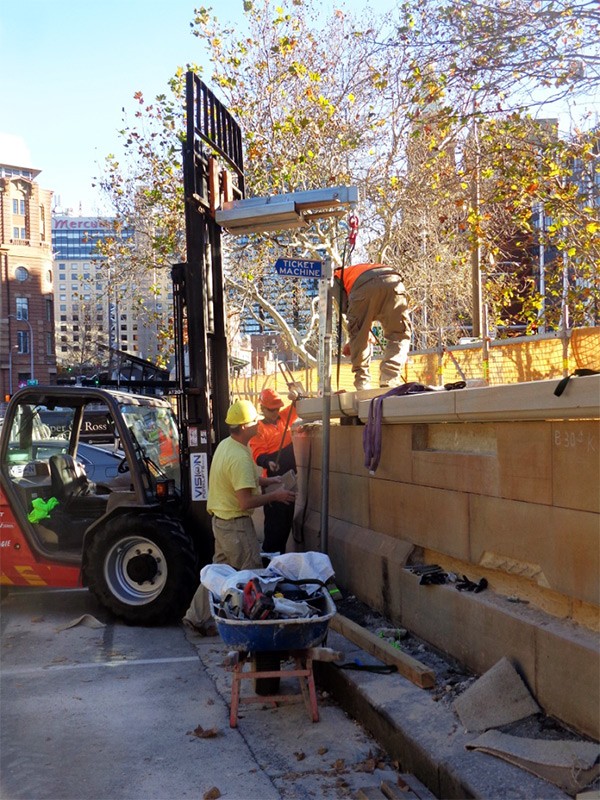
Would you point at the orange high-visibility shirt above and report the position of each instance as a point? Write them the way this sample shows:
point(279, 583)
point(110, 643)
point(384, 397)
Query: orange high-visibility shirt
point(352, 272)
point(269, 434)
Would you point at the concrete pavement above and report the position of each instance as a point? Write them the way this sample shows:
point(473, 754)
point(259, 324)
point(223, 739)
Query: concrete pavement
point(109, 713)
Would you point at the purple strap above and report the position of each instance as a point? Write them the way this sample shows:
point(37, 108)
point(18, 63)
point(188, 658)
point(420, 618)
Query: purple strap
point(372, 431)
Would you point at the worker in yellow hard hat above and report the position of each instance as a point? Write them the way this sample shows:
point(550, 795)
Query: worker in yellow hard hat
point(233, 493)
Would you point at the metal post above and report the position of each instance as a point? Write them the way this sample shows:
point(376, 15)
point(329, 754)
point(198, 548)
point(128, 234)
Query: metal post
point(476, 246)
point(542, 267)
point(327, 281)
point(564, 314)
point(485, 347)
point(440, 367)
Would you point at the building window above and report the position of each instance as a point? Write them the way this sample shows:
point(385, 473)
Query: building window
point(22, 304)
point(23, 233)
point(62, 266)
point(21, 274)
point(49, 310)
point(23, 342)
point(15, 206)
point(49, 344)
point(49, 276)
point(62, 308)
point(16, 233)
point(42, 224)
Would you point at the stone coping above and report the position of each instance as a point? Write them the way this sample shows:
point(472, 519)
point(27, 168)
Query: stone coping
point(534, 400)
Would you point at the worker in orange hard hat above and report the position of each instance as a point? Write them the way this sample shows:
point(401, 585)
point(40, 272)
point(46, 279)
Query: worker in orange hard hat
point(272, 449)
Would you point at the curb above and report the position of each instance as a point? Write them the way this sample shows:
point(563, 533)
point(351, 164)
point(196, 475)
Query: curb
point(424, 736)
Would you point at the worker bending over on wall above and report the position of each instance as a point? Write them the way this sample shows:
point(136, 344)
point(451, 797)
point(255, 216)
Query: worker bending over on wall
point(233, 493)
point(369, 292)
point(273, 450)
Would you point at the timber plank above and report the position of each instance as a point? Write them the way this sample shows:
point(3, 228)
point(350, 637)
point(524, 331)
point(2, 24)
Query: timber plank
point(409, 667)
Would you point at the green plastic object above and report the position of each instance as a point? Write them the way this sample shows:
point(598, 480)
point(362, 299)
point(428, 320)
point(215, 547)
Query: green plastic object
point(41, 508)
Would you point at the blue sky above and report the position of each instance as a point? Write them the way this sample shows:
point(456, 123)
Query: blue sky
point(68, 68)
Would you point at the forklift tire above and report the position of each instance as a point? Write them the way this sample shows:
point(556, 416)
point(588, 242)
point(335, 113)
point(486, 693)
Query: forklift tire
point(266, 661)
point(143, 568)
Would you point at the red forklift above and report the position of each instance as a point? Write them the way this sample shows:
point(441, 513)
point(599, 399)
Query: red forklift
point(136, 535)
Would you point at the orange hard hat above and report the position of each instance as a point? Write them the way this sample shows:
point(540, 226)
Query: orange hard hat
point(270, 399)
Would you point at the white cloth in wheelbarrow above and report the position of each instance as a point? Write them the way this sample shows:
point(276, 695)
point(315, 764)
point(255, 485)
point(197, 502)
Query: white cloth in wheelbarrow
point(311, 566)
point(272, 588)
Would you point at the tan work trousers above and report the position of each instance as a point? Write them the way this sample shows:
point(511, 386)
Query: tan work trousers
point(236, 544)
point(378, 295)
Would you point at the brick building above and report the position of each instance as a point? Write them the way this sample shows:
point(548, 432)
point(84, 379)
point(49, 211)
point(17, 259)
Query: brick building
point(26, 280)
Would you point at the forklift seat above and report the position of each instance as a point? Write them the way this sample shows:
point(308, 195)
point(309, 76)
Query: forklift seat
point(72, 487)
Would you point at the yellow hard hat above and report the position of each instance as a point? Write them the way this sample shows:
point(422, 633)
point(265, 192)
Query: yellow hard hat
point(241, 413)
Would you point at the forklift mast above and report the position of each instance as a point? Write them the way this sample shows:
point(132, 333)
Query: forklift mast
point(202, 368)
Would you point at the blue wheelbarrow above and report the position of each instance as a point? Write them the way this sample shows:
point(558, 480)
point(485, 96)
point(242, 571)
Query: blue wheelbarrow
point(266, 642)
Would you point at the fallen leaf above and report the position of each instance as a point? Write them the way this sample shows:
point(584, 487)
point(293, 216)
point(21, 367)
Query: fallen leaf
point(209, 733)
point(339, 764)
point(300, 756)
point(368, 765)
point(212, 794)
point(322, 750)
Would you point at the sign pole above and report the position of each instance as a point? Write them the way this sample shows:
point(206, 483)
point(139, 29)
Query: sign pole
point(325, 380)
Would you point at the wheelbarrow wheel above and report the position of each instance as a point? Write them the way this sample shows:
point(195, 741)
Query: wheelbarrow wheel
point(266, 661)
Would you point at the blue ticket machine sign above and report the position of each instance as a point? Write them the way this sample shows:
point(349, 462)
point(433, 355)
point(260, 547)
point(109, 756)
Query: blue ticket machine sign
point(298, 268)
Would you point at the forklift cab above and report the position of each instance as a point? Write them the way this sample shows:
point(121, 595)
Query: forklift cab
point(59, 486)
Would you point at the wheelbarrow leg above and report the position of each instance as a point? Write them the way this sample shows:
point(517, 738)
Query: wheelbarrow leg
point(307, 686)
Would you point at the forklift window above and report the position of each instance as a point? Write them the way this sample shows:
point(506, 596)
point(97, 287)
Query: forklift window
point(28, 434)
point(155, 432)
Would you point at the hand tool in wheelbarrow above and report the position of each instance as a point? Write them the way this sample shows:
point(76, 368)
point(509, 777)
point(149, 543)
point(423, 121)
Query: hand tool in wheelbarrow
point(256, 604)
